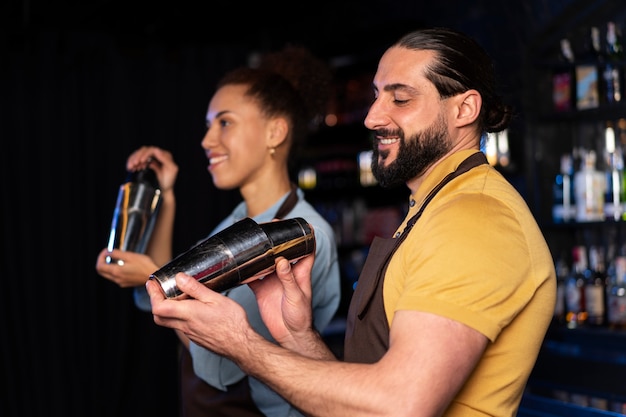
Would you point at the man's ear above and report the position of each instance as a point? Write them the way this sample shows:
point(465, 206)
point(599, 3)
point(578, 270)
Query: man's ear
point(468, 107)
point(278, 129)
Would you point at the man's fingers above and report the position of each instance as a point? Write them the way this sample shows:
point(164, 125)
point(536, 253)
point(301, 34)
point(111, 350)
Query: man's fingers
point(284, 272)
point(194, 289)
point(154, 290)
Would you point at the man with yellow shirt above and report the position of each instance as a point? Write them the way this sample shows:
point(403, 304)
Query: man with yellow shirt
point(449, 314)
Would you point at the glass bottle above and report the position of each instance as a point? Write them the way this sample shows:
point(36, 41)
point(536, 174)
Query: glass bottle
point(614, 54)
point(562, 273)
point(589, 187)
point(576, 315)
point(587, 72)
point(613, 202)
point(595, 287)
point(616, 293)
point(563, 78)
point(564, 208)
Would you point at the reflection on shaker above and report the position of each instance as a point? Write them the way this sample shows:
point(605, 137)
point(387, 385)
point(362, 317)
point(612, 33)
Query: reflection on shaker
point(243, 252)
point(136, 209)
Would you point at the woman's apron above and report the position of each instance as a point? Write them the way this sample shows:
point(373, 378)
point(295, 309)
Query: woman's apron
point(199, 399)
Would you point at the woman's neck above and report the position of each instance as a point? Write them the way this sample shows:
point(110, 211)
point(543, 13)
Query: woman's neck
point(259, 198)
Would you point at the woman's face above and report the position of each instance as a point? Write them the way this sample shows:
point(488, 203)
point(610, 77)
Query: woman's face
point(235, 141)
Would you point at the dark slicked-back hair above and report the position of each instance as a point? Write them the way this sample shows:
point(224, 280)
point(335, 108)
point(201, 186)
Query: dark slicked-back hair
point(461, 64)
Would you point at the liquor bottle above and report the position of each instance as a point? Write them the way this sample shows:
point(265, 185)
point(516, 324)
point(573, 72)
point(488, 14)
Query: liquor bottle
point(595, 287)
point(563, 78)
point(587, 72)
point(564, 208)
point(616, 293)
point(589, 188)
point(562, 272)
point(566, 53)
point(613, 80)
point(597, 56)
point(592, 49)
point(575, 314)
point(613, 201)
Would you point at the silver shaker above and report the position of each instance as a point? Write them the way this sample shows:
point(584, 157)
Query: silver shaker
point(136, 210)
point(239, 254)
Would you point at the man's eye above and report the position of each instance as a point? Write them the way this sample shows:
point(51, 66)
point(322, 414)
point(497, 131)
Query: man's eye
point(224, 123)
point(398, 101)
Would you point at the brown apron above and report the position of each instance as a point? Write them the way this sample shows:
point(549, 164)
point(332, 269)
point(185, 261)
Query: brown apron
point(367, 329)
point(199, 399)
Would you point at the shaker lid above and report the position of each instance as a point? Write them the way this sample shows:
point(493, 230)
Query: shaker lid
point(146, 175)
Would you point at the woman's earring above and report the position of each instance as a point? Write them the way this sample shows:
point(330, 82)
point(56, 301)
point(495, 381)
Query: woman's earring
point(272, 151)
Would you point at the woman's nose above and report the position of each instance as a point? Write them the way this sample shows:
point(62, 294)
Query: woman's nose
point(207, 141)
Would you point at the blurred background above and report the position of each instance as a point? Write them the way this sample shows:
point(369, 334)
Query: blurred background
point(84, 83)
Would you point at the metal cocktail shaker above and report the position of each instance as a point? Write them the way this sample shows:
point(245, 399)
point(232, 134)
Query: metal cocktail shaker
point(136, 209)
point(238, 254)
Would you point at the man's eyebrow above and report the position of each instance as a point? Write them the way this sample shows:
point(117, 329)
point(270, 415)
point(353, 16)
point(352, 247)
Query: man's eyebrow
point(400, 87)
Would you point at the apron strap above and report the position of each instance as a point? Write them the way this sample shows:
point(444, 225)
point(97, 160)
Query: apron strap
point(288, 204)
point(470, 162)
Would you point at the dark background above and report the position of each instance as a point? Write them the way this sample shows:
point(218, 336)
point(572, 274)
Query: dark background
point(83, 84)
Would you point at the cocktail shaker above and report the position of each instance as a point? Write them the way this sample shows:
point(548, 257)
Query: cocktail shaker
point(243, 252)
point(136, 209)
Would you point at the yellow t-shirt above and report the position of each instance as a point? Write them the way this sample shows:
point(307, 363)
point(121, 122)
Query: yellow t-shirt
point(477, 256)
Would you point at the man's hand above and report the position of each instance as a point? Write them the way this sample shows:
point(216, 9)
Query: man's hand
point(284, 299)
point(206, 317)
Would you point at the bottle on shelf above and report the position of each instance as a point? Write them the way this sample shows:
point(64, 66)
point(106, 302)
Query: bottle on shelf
point(614, 57)
point(613, 201)
point(592, 53)
point(615, 209)
point(587, 71)
point(562, 273)
point(575, 313)
point(564, 207)
point(595, 287)
point(616, 293)
point(563, 78)
point(589, 188)
point(566, 53)
point(620, 139)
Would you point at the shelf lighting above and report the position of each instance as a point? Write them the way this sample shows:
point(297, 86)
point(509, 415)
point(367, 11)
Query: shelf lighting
point(496, 148)
point(366, 178)
point(307, 178)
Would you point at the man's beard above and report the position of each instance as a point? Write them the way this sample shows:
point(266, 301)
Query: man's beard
point(415, 155)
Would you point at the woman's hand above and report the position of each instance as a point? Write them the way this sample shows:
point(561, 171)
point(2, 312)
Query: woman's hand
point(160, 160)
point(126, 269)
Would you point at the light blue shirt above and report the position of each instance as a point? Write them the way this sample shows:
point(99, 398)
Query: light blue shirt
point(325, 279)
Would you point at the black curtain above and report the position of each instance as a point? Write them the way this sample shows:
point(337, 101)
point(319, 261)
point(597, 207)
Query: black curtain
point(73, 107)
